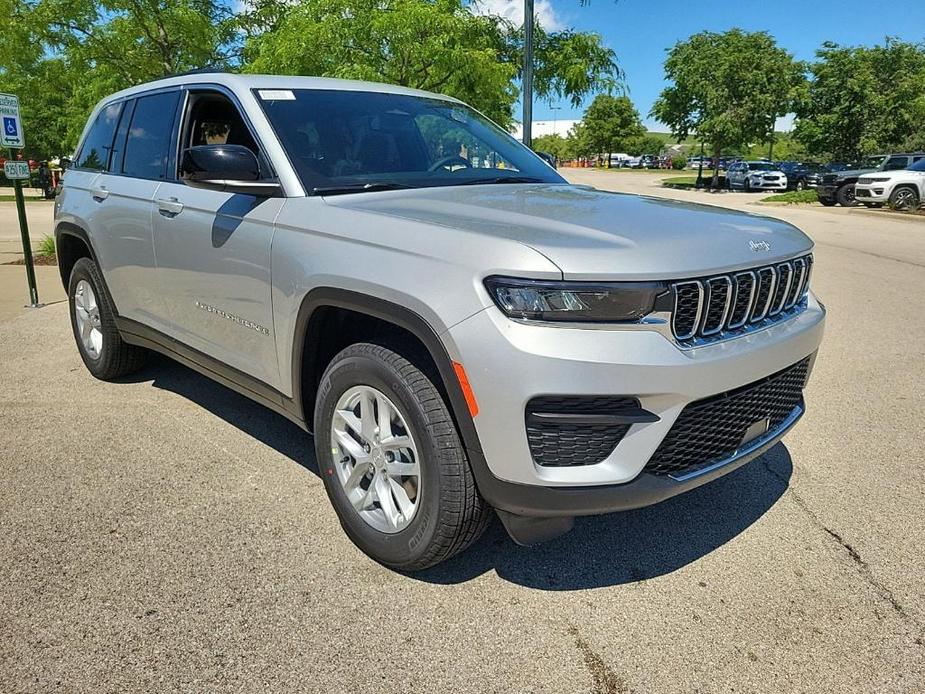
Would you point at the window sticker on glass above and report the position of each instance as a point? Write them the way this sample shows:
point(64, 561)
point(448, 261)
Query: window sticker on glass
point(276, 94)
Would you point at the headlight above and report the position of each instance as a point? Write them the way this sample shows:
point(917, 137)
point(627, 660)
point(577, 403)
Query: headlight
point(583, 302)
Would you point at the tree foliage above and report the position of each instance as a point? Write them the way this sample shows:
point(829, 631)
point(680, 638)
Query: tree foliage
point(729, 88)
point(62, 56)
point(862, 100)
point(611, 124)
point(435, 45)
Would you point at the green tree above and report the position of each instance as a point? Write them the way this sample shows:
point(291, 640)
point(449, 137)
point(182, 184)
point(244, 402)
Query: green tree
point(436, 45)
point(556, 145)
point(862, 100)
point(65, 55)
point(645, 143)
point(728, 88)
point(610, 124)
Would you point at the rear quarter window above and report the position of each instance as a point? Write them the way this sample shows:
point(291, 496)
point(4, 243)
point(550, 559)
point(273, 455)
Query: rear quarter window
point(97, 146)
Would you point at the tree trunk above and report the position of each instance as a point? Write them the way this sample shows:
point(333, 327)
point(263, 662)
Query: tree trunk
point(717, 150)
point(609, 150)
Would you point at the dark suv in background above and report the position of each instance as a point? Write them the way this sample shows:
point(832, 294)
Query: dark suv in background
point(802, 175)
point(838, 187)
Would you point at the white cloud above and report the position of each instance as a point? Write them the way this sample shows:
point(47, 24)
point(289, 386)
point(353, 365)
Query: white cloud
point(513, 10)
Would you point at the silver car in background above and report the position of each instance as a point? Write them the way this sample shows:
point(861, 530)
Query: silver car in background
point(756, 175)
point(462, 330)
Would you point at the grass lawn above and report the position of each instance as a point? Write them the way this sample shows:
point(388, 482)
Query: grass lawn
point(27, 198)
point(794, 197)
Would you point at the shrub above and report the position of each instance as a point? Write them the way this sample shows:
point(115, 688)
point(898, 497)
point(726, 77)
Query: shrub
point(678, 163)
point(46, 247)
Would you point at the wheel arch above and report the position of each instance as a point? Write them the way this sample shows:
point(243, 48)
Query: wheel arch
point(308, 350)
point(72, 243)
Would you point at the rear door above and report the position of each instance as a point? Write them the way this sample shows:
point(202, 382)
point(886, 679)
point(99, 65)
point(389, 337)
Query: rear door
point(124, 196)
point(213, 250)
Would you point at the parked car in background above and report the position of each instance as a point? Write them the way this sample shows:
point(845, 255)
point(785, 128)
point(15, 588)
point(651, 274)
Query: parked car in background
point(839, 186)
point(548, 157)
point(649, 161)
point(619, 159)
point(694, 162)
point(802, 175)
point(755, 175)
point(903, 190)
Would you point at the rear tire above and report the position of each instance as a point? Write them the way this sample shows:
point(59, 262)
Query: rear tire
point(845, 196)
point(446, 513)
point(93, 321)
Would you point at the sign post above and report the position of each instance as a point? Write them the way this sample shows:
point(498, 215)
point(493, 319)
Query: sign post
point(11, 136)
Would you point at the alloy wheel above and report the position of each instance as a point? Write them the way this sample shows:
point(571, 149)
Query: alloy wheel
point(87, 315)
point(904, 199)
point(376, 459)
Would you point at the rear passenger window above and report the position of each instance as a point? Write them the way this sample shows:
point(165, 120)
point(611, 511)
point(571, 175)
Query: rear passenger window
point(94, 154)
point(149, 136)
point(896, 163)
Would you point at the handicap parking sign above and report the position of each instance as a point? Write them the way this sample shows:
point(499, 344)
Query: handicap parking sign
point(10, 124)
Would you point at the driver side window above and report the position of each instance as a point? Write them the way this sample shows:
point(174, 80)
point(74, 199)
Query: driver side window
point(213, 119)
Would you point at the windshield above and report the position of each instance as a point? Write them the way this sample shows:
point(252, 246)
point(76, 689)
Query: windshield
point(918, 166)
point(761, 166)
point(352, 141)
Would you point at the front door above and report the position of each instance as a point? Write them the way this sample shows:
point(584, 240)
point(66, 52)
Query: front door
point(213, 253)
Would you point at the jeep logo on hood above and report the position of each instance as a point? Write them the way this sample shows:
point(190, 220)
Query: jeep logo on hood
point(759, 246)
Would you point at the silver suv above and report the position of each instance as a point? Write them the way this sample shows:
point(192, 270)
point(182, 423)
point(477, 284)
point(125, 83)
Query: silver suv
point(462, 330)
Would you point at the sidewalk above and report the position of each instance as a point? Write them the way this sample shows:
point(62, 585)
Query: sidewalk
point(14, 290)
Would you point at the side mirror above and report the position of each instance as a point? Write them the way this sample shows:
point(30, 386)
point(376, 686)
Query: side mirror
point(228, 168)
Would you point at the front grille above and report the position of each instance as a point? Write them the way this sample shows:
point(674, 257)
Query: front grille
point(713, 429)
point(829, 178)
point(566, 445)
point(725, 305)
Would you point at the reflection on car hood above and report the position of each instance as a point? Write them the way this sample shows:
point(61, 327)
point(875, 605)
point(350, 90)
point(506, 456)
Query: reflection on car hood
point(592, 234)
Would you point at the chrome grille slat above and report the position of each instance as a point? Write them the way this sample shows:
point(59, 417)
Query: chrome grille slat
point(739, 283)
point(717, 303)
point(712, 308)
point(784, 278)
point(799, 272)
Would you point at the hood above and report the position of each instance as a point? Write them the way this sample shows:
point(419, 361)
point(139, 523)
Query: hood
point(592, 234)
point(852, 173)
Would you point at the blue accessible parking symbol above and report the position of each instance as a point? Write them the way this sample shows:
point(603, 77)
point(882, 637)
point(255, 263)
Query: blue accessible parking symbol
point(9, 127)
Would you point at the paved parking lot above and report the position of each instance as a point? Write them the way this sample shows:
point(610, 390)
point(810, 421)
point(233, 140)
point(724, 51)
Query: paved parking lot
point(165, 534)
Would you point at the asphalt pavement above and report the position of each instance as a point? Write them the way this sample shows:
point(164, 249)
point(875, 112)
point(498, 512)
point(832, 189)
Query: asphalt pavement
point(165, 534)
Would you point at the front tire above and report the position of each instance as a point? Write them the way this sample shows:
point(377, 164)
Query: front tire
point(845, 196)
point(93, 322)
point(801, 185)
point(904, 198)
point(392, 462)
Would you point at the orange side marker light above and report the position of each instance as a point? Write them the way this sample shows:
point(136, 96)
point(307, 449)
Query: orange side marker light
point(466, 388)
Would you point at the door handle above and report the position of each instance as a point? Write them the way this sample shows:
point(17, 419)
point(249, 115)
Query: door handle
point(99, 194)
point(169, 207)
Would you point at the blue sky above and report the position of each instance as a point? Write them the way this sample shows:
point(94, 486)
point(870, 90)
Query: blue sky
point(640, 30)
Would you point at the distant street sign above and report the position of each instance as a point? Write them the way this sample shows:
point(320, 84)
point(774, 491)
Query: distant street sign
point(11, 134)
point(16, 170)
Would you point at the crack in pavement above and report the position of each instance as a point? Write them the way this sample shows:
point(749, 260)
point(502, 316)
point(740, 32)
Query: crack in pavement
point(603, 678)
point(855, 556)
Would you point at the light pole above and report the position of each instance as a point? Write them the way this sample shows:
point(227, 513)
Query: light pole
point(528, 73)
point(554, 117)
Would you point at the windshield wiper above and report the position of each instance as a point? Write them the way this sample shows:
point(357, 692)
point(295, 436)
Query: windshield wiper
point(358, 188)
point(502, 179)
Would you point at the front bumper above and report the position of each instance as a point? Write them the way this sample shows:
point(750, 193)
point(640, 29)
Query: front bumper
point(761, 184)
point(642, 363)
point(827, 190)
point(874, 192)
